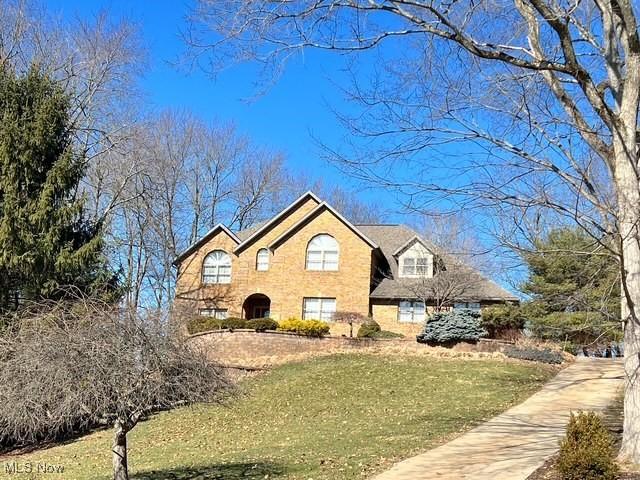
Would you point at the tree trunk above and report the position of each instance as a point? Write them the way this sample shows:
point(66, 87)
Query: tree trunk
point(628, 197)
point(119, 449)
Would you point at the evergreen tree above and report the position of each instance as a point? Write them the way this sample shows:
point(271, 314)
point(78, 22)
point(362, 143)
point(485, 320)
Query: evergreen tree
point(570, 272)
point(45, 242)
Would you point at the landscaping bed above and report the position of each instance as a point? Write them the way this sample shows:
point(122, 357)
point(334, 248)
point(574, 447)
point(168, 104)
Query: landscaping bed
point(338, 417)
point(612, 417)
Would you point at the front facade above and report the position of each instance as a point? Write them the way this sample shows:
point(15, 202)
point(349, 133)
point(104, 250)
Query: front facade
point(309, 262)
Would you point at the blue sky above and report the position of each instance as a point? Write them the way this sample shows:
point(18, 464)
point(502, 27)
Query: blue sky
point(284, 118)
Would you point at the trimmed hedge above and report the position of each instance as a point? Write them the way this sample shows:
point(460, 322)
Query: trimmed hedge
point(262, 324)
point(368, 329)
point(205, 324)
point(587, 451)
point(544, 355)
point(309, 328)
point(449, 327)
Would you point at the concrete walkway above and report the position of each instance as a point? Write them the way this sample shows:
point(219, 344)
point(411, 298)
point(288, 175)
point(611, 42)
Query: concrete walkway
point(514, 444)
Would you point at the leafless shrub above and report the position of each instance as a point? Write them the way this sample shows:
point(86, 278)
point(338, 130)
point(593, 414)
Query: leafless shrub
point(66, 367)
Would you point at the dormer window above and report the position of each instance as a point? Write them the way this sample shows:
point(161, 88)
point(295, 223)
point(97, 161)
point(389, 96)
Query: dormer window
point(416, 266)
point(262, 260)
point(415, 261)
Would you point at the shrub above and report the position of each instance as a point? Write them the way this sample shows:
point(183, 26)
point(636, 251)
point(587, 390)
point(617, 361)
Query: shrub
point(587, 452)
point(576, 327)
point(497, 319)
point(310, 328)
point(262, 324)
point(450, 327)
point(544, 355)
point(387, 334)
point(205, 324)
point(369, 329)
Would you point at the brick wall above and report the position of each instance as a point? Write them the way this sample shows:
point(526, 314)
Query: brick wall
point(287, 281)
point(250, 349)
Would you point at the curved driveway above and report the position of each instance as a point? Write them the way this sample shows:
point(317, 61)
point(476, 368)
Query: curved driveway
point(514, 444)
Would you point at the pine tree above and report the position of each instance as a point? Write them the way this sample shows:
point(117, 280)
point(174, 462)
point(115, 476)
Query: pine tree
point(569, 271)
point(45, 241)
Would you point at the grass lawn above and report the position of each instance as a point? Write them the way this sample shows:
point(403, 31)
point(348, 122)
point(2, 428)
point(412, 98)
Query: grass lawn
point(339, 417)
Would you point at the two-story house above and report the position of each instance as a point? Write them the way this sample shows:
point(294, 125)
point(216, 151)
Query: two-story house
point(308, 261)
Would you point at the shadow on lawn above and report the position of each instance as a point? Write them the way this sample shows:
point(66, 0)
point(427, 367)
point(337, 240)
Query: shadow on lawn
point(225, 471)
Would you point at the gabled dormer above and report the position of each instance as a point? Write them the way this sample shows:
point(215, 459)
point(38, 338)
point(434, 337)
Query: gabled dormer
point(415, 259)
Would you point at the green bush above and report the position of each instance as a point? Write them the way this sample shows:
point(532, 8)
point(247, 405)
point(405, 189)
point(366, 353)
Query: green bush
point(500, 318)
point(369, 329)
point(310, 328)
point(544, 355)
point(205, 324)
point(387, 334)
point(576, 327)
point(451, 327)
point(587, 452)
point(262, 324)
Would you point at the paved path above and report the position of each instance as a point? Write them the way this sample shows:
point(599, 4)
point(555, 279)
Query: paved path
point(514, 444)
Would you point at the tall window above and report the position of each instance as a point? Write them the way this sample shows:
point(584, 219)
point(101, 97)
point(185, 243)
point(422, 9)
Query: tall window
point(322, 253)
point(411, 312)
point(416, 266)
point(262, 260)
point(318, 308)
point(217, 267)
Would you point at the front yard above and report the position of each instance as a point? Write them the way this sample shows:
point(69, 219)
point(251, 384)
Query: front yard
point(338, 417)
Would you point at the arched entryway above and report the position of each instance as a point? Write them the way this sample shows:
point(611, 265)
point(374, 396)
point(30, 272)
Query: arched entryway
point(256, 306)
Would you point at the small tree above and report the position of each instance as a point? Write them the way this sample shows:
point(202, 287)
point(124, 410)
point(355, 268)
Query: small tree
point(351, 318)
point(68, 367)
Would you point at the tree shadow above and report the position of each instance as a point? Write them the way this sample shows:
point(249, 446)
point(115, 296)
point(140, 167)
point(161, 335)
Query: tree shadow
point(224, 471)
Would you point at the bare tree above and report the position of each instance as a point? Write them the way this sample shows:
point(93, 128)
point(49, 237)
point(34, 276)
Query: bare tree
point(545, 94)
point(167, 185)
point(450, 283)
point(97, 366)
point(350, 318)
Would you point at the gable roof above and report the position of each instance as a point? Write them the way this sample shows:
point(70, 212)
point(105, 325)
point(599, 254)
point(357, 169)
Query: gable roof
point(322, 206)
point(410, 242)
point(205, 238)
point(394, 238)
point(257, 231)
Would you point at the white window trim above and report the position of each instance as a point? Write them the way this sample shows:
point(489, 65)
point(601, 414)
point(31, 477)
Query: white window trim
point(328, 259)
point(475, 306)
point(211, 274)
point(415, 309)
point(263, 260)
point(217, 313)
point(323, 313)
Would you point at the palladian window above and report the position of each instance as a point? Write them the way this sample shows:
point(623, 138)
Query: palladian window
point(216, 267)
point(322, 253)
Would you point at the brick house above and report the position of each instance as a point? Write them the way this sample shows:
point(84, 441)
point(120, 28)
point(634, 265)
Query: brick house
point(308, 261)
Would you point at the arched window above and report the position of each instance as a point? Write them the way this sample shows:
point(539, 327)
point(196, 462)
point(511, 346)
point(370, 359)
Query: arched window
point(322, 253)
point(216, 267)
point(262, 260)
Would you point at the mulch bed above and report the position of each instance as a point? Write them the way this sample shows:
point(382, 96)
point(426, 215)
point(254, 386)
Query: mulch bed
point(613, 419)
